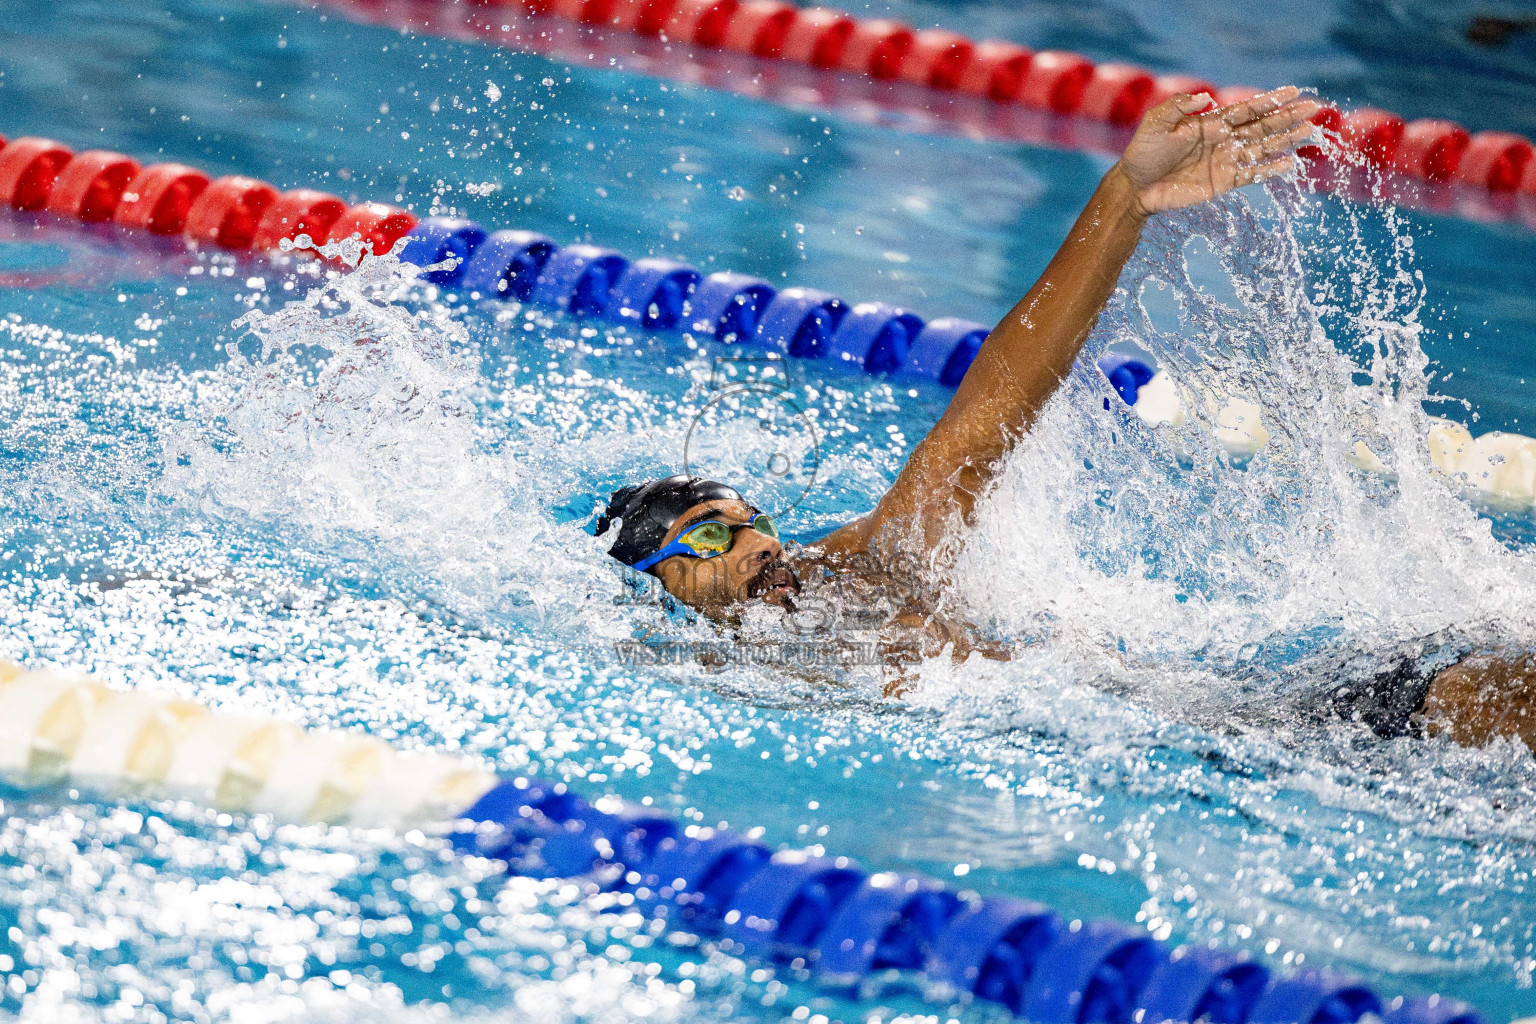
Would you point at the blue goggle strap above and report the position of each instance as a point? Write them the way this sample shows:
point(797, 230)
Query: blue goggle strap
point(677, 547)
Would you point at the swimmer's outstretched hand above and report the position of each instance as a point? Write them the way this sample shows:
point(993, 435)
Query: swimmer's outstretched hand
point(1179, 157)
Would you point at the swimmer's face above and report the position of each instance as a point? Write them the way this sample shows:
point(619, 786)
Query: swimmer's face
point(753, 566)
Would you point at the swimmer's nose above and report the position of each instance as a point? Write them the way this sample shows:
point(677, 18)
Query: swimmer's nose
point(759, 546)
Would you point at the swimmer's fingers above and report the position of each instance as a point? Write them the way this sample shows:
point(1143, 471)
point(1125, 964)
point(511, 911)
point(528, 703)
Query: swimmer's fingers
point(1263, 172)
point(1282, 120)
point(1171, 113)
point(1271, 145)
point(1252, 109)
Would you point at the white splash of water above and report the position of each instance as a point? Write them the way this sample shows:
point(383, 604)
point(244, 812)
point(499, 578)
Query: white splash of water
point(1105, 534)
point(354, 420)
point(1187, 615)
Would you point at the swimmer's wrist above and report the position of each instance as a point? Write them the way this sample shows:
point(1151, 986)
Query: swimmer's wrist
point(1121, 192)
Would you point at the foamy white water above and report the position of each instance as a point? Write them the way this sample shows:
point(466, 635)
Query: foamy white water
point(376, 511)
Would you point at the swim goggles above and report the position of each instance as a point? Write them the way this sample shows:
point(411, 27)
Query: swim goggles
point(708, 539)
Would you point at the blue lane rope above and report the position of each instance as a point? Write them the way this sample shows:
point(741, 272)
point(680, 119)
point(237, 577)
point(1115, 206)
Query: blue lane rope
point(1126, 374)
point(845, 924)
point(664, 295)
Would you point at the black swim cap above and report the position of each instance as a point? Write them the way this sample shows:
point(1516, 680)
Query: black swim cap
point(650, 509)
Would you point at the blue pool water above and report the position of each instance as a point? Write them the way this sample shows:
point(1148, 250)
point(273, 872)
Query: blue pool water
point(388, 536)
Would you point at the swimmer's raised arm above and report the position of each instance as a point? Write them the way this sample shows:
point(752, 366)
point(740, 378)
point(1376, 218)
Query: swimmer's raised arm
point(1177, 158)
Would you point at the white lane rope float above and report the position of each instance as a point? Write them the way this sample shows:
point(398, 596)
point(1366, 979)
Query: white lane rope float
point(796, 906)
point(1499, 468)
point(59, 727)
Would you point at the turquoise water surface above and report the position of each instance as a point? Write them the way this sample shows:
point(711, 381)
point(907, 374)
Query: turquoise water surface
point(389, 536)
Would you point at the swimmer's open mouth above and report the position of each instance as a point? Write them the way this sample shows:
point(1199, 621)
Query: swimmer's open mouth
point(774, 583)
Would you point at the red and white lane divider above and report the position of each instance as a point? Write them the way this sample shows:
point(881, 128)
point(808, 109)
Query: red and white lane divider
point(1055, 81)
point(233, 212)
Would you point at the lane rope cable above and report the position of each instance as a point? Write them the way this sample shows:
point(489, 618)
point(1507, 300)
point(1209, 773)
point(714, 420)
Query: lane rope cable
point(244, 215)
point(797, 908)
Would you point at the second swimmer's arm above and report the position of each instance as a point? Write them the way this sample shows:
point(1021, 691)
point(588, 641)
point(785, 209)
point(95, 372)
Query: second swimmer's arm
point(1174, 160)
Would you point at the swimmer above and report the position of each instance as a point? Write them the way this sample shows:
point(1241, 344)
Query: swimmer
point(713, 550)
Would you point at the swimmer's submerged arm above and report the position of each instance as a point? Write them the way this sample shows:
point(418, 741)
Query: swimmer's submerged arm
point(1177, 158)
point(1486, 695)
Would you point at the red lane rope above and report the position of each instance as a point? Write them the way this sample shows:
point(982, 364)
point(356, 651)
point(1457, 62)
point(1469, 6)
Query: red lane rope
point(935, 80)
point(233, 212)
point(240, 214)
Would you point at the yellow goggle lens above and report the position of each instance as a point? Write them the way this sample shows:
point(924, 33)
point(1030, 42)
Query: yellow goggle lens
point(708, 537)
point(716, 537)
